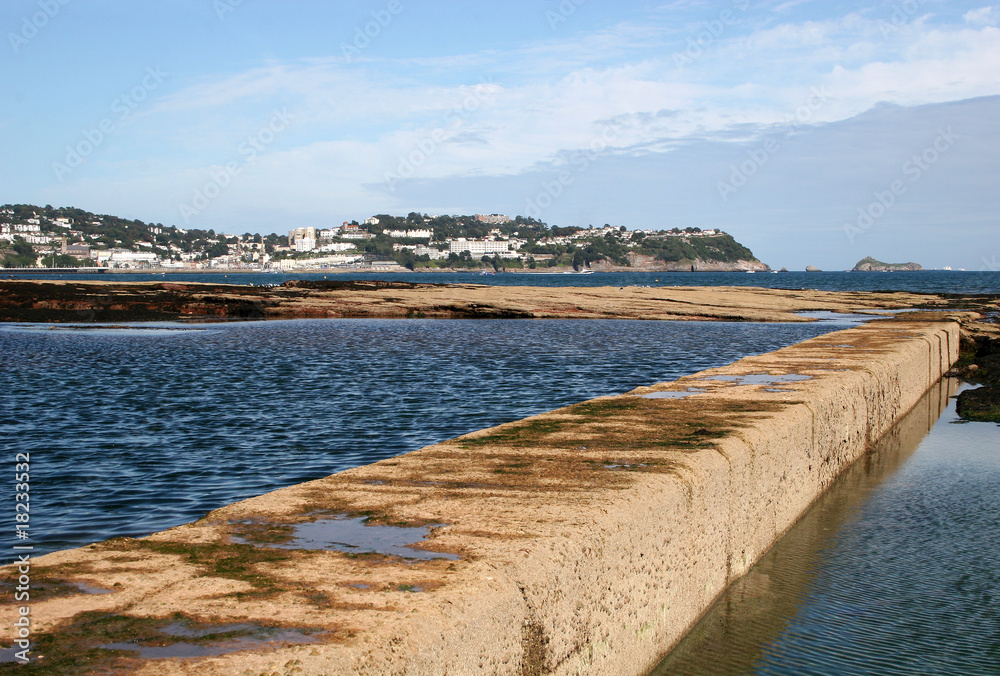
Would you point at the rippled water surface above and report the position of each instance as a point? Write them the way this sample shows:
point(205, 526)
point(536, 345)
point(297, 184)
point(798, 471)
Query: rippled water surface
point(134, 430)
point(928, 281)
point(895, 570)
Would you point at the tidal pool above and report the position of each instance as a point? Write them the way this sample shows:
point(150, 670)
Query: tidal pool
point(894, 570)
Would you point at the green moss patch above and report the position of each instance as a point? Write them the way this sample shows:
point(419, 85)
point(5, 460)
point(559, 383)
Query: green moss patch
point(980, 405)
point(231, 561)
point(76, 647)
point(614, 424)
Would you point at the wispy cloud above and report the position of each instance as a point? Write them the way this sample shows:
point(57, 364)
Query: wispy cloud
point(355, 122)
point(983, 16)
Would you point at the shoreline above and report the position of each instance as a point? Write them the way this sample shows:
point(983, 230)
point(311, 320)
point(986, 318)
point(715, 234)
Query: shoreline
point(402, 270)
point(68, 301)
point(560, 269)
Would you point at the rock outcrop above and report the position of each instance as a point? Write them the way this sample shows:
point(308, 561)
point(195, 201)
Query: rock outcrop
point(69, 301)
point(644, 263)
point(869, 264)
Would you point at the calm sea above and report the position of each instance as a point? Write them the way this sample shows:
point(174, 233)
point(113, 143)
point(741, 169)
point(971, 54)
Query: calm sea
point(133, 430)
point(928, 281)
point(895, 570)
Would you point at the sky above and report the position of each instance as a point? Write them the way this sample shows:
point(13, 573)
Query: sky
point(815, 132)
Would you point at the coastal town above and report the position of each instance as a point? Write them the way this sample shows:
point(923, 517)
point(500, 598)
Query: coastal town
point(47, 237)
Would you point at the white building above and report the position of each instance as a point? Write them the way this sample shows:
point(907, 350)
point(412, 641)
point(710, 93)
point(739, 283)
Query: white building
point(301, 233)
point(421, 250)
point(430, 252)
point(337, 259)
point(338, 246)
point(478, 247)
point(411, 234)
point(499, 219)
point(304, 243)
point(123, 258)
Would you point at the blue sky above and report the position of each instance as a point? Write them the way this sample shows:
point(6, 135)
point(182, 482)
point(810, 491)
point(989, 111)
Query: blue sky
point(814, 132)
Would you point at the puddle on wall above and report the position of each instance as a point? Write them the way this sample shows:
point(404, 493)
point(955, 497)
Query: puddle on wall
point(353, 536)
point(673, 395)
point(761, 379)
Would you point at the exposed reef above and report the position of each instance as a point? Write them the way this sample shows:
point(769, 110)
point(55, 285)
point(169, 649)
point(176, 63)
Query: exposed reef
point(81, 302)
point(979, 363)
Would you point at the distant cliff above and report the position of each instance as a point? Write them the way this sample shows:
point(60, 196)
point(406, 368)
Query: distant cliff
point(646, 263)
point(869, 264)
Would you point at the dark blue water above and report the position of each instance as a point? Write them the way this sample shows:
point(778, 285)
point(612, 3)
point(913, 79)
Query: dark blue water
point(132, 431)
point(928, 281)
point(895, 570)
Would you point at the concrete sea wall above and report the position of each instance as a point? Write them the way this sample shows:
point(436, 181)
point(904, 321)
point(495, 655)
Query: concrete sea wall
point(589, 539)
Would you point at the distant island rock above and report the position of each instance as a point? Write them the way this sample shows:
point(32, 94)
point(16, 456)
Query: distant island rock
point(869, 264)
point(812, 268)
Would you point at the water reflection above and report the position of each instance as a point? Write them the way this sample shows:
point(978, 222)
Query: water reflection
point(870, 580)
point(357, 536)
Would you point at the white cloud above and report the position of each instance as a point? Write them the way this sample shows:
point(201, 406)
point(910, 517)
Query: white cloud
point(503, 114)
point(785, 6)
point(983, 16)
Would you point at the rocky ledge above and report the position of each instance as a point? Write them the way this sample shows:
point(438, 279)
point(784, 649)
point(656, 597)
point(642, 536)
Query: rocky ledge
point(98, 301)
point(979, 362)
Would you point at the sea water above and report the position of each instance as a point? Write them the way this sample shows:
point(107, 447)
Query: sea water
point(132, 430)
point(894, 570)
point(926, 281)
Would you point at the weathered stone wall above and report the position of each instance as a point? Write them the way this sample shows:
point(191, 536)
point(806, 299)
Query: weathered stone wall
point(591, 538)
point(629, 574)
